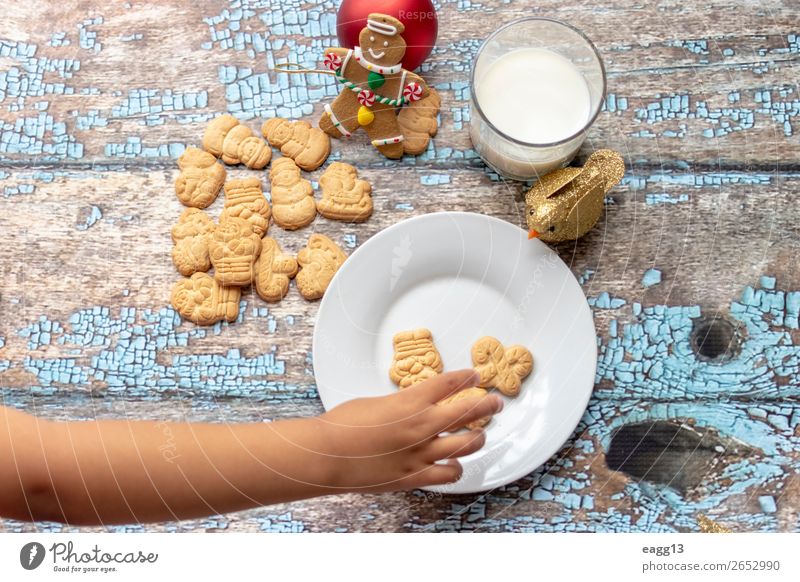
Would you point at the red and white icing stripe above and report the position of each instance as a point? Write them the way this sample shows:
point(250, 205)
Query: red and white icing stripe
point(387, 140)
point(336, 123)
point(402, 86)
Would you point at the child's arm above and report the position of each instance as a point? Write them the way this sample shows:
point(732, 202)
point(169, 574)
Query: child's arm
point(116, 471)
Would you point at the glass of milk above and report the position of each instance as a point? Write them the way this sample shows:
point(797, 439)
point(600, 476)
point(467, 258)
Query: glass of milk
point(536, 87)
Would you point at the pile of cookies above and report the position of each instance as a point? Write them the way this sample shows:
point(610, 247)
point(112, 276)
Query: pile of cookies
point(237, 247)
point(416, 359)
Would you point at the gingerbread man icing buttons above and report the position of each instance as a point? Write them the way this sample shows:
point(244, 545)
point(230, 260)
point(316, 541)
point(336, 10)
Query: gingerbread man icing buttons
point(190, 235)
point(200, 179)
point(318, 261)
point(202, 300)
point(244, 199)
point(307, 146)
point(415, 358)
point(344, 196)
point(234, 248)
point(500, 367)
point(274, 270)
point(374, 85)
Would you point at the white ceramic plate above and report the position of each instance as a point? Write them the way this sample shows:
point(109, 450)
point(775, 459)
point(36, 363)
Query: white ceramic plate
point(464, 276)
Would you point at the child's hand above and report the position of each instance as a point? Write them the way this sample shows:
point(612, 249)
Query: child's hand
point(392, 442)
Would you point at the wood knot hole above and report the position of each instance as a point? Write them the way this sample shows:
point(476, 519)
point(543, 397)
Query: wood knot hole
point(662, 452)
point(715, 339)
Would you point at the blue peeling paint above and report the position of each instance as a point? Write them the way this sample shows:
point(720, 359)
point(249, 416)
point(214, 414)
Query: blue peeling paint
point(40, 333)
point(137, 352)
point(434, 179)
point(652, 354)
point(651, 277)
point(282, 523)
point(95, 214)
point(654, 199)
point(775, 104)
point(87, 36)
point(586, 276)
point(350, 240)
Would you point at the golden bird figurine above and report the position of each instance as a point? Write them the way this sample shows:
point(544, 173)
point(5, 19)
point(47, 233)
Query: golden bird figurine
point(565, 204)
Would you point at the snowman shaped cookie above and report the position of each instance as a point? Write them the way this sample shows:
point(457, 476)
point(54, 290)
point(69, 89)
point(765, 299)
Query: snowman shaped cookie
point(375, 85)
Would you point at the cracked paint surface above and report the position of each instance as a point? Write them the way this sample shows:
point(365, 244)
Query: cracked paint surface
point(128, 344)
point(647, 357)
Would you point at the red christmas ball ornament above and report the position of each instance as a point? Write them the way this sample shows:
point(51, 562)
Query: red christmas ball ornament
point(418, 16)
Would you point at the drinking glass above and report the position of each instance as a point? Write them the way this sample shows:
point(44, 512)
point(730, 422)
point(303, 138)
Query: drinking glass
point(512, 157)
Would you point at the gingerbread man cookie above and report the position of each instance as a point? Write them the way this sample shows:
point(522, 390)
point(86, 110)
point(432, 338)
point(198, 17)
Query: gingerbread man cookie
point(415, 358)
point(318, 261)
point(473, 392)
point(226, 138)
point(374, 85)
point(274, 270)
point(418, 122)
point(200, 179)
point(293, 204)
point(500, 367)
point(190, 235)
point(234, 248)
point(344, 196)
point(244, 199)
point(202, 300)
point(307, 146)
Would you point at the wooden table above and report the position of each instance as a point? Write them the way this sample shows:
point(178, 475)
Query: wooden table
point(690, 272)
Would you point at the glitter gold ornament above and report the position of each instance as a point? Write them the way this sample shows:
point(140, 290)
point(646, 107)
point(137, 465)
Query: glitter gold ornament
point(566, 204)
point(710, 526)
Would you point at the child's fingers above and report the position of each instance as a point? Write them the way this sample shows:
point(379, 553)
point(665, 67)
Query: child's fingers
point(441, 474)
point(457, 445)
point(455, 415)
point(443, 385)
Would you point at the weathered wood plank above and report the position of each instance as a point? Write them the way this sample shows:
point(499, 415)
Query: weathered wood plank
point(701, 98)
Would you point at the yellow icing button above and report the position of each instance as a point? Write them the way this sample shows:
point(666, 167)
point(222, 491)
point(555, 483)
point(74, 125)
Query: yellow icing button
point(365, 115)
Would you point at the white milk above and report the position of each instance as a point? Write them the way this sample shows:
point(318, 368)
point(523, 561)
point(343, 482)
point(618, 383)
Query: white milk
point(534, 95)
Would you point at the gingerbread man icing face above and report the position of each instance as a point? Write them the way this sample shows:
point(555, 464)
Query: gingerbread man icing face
point(381, 42)
point(374, 86)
